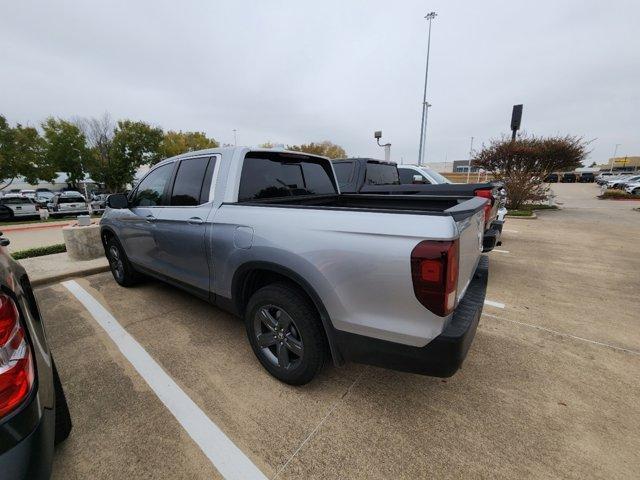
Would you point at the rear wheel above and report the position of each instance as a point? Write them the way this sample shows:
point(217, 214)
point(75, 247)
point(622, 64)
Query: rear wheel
point(285, 333)
point(121, 269)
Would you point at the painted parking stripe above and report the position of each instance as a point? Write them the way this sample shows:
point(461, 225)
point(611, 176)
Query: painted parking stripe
point(500, 251)
point(567, 335)
point(494, 304)
point(510, 231)
point(219, 449)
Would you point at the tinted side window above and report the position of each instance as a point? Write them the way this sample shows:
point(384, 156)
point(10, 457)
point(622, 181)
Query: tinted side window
point(268, 175)
point(188, 184)
point(151, 188)
point(406, 176)
point(344, 172)
point(71, 200)
point(381, 174)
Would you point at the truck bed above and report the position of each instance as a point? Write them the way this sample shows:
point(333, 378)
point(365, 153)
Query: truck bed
point(455, 206)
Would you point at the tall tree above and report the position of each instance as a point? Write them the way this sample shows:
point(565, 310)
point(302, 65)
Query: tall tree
point(175, 143)
point(134, 144)
point(326, 149)
point(22, 154)
point(522, 164)
point(66, 148)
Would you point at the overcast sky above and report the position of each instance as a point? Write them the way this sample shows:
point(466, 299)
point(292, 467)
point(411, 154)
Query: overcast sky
point(302, 71)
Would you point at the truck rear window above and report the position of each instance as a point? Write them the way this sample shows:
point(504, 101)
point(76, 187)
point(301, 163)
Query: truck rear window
point(273, 175)
point(381, 174)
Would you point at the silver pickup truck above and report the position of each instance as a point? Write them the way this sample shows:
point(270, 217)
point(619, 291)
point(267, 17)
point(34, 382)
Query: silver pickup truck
point(392, 281)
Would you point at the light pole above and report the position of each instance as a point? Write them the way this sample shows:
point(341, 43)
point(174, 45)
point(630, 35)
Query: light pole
point(613, 159)
point(430, 16)
point(470, 155)
point(387, 146)
point(235, 137)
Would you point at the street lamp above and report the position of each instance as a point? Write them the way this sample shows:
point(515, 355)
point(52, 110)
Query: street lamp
point(425, 105)
point(387, 146)
point(613, 159)
point(235, 137)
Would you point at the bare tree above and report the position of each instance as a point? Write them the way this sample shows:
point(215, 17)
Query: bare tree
point(99, 132)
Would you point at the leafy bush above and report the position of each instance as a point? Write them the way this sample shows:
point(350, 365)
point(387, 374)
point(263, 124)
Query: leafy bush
point(39, 251)
point(524, 163)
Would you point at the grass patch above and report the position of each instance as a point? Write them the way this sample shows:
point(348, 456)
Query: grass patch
point(520, 213)
point(617, 195)
point(39, 251)
point(528, 209)
point(539, 206)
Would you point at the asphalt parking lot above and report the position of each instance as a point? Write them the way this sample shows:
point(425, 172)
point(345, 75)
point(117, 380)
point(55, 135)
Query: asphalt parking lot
point(550, 388)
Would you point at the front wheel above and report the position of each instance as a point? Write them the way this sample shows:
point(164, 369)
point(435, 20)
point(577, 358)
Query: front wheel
point(121, 269)
point(285, 333)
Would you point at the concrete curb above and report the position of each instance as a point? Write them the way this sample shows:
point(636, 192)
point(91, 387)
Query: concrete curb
point(35, 226)
point(38, 282)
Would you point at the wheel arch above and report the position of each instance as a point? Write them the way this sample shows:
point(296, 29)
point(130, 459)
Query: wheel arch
point(251, 276)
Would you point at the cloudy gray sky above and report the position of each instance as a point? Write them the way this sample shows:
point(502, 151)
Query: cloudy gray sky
point(294, 72)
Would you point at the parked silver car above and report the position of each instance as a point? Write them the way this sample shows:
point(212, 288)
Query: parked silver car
point(393, 281)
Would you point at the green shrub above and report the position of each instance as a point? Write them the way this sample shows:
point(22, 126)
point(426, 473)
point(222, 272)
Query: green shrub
point(39, 251)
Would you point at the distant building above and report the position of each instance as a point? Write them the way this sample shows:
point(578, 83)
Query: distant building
point(622, 164)
point(462, 166)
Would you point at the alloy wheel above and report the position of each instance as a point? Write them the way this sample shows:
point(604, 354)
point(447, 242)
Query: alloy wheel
point(115, 261)
point(278, 337)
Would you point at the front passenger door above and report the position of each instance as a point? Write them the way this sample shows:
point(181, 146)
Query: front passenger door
point(138, 232)
point(182, 224)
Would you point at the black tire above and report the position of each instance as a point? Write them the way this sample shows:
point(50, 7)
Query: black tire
point(121, 269)
point(63, 423)
point(295, 334)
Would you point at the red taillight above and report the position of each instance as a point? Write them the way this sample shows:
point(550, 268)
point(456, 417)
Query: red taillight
point(486, 193)
point(434, 270)
point(16, 363)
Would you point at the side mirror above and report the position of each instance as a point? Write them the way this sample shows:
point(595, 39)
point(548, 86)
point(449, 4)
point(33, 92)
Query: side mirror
point(117, 200)
point(418, 179)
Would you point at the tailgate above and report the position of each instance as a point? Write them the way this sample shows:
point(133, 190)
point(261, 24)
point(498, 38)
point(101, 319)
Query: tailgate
point(471, 235)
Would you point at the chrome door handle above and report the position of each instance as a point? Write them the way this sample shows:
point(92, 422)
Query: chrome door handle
point(150, 218)
point(195, 221)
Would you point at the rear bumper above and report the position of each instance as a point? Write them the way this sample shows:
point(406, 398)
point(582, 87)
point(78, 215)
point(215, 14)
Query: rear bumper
point(31, 458)
point(492, 236)
point(441, 357)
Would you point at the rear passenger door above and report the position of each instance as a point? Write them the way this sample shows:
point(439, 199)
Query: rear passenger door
point(182, 224)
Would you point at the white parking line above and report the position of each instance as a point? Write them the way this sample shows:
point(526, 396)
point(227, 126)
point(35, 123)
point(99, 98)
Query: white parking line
point(500, 251)
point(221, 451)
point(568, 335)
point(510, 231)
point(494, 304)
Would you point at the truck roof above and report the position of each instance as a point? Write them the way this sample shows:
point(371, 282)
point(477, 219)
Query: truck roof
point(232, 151)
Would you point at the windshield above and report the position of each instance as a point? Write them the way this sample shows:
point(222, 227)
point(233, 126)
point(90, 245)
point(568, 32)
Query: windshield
point(436, 176)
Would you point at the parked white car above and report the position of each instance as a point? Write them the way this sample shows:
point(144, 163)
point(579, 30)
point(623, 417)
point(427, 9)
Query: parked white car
point(28, 193)
point(68, 203)
point(19, 205)
point(633, 188)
